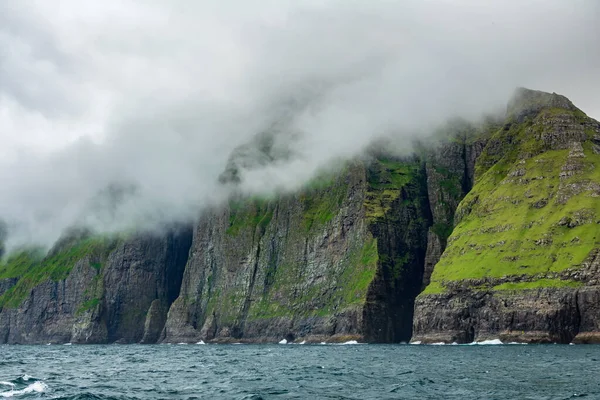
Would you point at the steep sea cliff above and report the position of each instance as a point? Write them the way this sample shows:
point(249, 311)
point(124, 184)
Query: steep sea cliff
point(488, 232)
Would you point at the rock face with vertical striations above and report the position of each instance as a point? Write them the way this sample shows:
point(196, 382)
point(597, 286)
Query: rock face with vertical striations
point(92, 290)
point(333, 262)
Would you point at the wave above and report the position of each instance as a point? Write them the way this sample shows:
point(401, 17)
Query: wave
point(487, 342)
point(283, 341)
point(201, 342)
point(349, 342)
point(22, 385)
point(91, 396)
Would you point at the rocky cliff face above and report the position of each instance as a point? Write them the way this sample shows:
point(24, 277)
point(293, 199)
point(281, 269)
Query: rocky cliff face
point(93, 290)
point(334, 262)
point(497, 222)
point(521, 263)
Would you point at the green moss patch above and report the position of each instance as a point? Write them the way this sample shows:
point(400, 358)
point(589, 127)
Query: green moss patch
point(349, 288)
point(322, 200)
point(386, 179)
point(248, 215)
point(32, 268)
point(531, 211)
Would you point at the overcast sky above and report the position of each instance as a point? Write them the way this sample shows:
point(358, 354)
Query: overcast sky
point(157, 94)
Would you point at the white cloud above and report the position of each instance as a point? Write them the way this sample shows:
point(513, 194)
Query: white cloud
point(159, 94)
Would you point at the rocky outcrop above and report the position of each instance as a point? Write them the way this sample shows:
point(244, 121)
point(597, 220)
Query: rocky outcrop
point(50, 311)
point(521, 263)
point(544, 315)
point(141, 280)
point(107, 295)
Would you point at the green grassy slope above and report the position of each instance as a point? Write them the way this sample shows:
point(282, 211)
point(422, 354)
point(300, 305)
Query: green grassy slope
point(33, 267)
point(534, 208)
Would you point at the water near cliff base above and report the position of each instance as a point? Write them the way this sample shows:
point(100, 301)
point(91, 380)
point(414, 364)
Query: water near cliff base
point(300, 372)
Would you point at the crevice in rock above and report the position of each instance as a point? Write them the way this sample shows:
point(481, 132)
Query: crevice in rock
point(466, 183)
point(578, 317)
point(180, 243)
point(401, 241)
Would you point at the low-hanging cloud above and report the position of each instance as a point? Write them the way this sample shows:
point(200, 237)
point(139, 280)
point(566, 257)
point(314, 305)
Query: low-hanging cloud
point(124, 113)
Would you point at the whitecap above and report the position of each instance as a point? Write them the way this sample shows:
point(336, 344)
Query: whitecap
point(201, 342)
point(488, 342)
point(38, 387)
point(438, 344)
point(68, 344)
point(302, 342)
point(416, 342)
point(283, 341)
point(349, 342)
point(182, 343)
point(323, 343)
point(516, 343)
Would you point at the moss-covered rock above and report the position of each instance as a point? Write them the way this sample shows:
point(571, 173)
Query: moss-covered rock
point(530, 223)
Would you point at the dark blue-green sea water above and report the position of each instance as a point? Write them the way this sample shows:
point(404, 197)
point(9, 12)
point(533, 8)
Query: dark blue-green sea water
point(300, 372)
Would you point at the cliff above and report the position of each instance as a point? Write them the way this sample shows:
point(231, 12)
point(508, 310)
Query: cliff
point(336, 261)
point(92, 290)
point(487, 231)
point(522, 261)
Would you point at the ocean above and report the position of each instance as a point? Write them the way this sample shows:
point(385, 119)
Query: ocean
point(291, 371)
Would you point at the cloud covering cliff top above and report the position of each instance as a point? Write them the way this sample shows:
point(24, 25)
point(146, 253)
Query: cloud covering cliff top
point(124, 112)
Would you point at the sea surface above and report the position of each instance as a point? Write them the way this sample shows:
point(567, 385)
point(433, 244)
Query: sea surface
point(300, 372)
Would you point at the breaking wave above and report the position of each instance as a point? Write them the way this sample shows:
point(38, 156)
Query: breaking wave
point(21, 386)
point(488, 342)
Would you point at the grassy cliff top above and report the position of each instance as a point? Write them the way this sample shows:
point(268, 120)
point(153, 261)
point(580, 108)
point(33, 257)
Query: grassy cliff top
point(534, 208)
point(33, 266)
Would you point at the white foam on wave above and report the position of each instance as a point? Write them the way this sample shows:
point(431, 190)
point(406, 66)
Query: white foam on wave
point(302, 342)
point(416, 342)
point(181, 343)
point(349, 342)
point(488, 342)
point(38, 387)
point(283, 341)
point(438, 344)
point(517, 343)
point(201, 342)
point(68, 344)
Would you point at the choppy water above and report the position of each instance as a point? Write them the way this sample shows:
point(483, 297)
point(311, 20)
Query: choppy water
point(300, 372)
